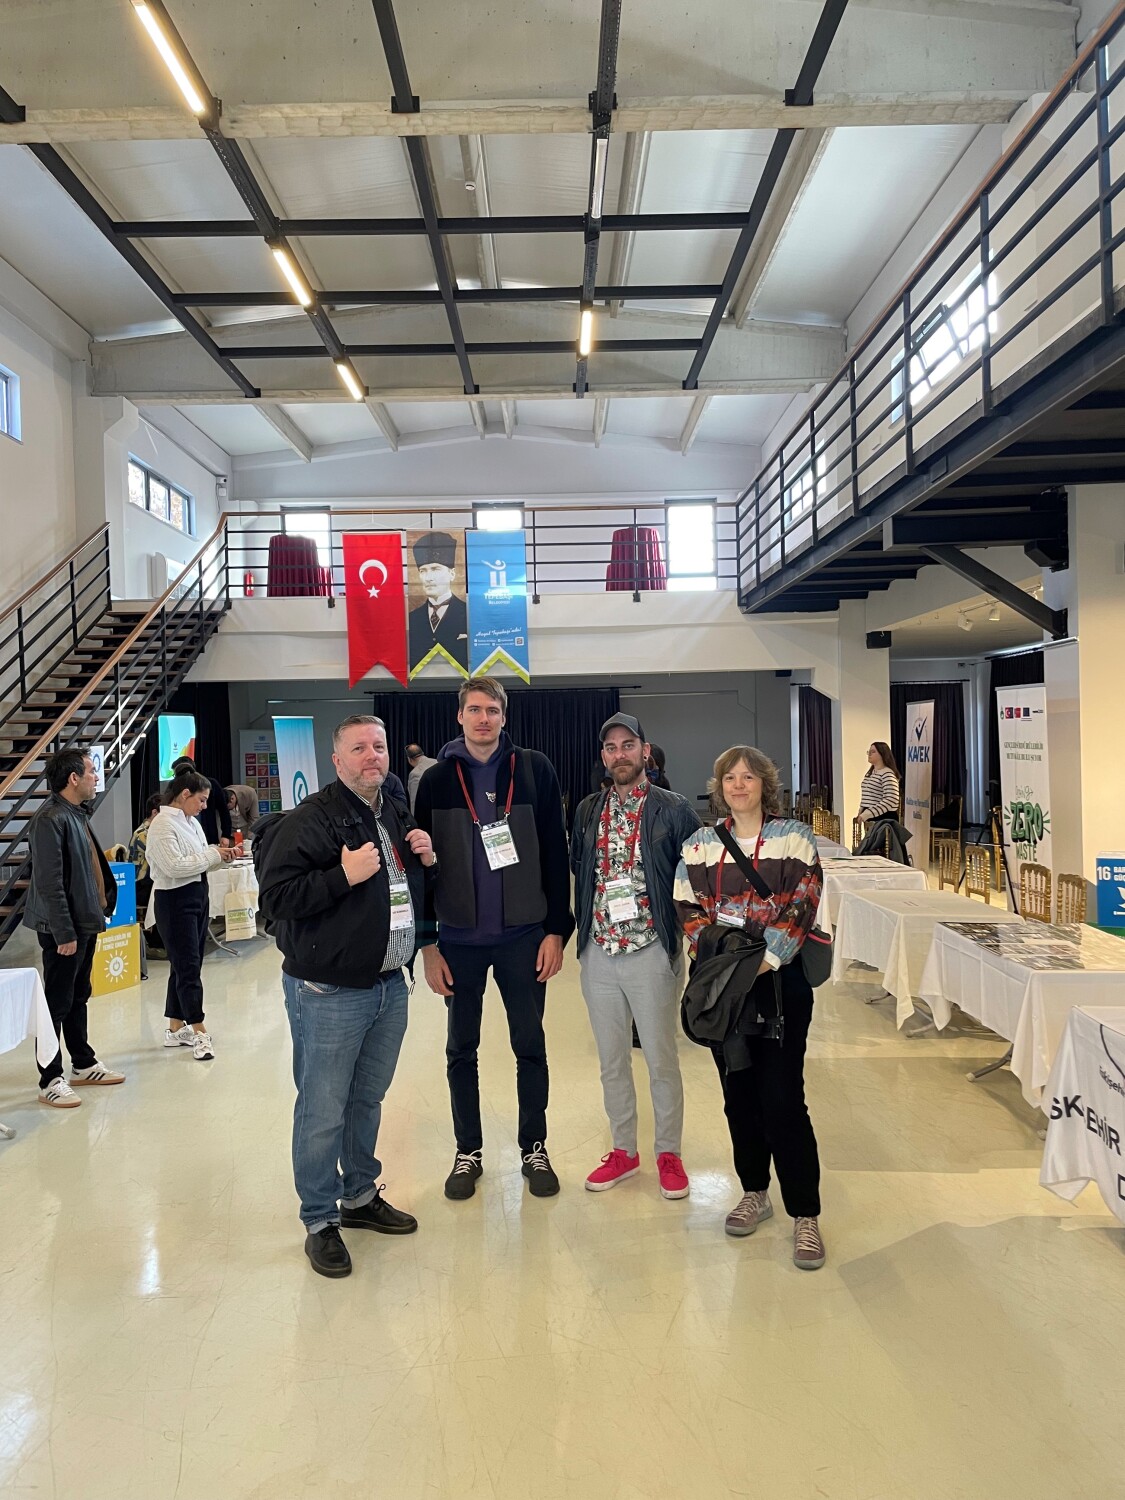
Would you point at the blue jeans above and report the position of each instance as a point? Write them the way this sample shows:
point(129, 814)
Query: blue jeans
point(345, 1046)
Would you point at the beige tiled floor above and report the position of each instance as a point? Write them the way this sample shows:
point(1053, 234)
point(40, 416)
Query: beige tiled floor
point(162, 1336)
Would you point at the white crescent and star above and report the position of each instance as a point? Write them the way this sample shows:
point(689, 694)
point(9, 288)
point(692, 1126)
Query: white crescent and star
point(372, 562)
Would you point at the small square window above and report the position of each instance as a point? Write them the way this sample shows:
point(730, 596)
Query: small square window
point(9, 403)
point(498, 517)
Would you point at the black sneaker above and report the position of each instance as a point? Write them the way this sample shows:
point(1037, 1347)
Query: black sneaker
point(462, 1181)
point(540, 1174)
point(378, 1215)
point(328, 1253)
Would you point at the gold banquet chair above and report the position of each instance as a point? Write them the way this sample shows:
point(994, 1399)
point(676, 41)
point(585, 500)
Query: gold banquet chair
point(1035, 893)
point(859, 833)
point(978, 872)
point(1070, 895)
point(947, 852)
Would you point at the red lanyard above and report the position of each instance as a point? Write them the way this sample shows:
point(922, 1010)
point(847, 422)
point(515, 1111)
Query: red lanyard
point(469, 800)
point(723, 857)
point(632, 842)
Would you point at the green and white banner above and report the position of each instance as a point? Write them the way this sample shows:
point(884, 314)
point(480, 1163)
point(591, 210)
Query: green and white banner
point(1025, 786)
point(296, 759)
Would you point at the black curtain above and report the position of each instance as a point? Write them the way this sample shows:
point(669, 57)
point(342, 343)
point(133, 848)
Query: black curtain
point(209, 702)
point(563, 723)
point(949, 762)
point(1006, 671)
point(815, 736)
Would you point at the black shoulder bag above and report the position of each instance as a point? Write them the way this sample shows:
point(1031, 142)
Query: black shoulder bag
point(816, 950)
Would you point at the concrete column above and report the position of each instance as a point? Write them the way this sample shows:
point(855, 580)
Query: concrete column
point(861, 708)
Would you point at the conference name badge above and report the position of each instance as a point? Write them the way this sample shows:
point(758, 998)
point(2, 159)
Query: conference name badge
point(730, 914)
point(499, 846)
point(621, 900)
point(402, 914)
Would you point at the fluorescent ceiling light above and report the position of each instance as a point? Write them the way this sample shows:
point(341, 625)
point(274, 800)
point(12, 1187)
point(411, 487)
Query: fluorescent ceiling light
point(164, 46)
point(350, 379)
point(586, 332)
point(597, 189)
point(292, 275)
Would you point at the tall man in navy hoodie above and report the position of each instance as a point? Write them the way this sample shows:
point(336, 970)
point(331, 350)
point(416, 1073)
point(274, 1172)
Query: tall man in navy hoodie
point(502, 901)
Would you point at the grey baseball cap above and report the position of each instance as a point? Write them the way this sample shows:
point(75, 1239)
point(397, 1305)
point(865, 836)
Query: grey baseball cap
point(626, 721)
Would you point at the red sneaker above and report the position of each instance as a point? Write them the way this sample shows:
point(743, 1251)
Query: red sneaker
point(673, 1178)
point(614, 1169)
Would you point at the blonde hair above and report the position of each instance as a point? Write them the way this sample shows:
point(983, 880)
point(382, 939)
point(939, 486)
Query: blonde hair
point(760, 765)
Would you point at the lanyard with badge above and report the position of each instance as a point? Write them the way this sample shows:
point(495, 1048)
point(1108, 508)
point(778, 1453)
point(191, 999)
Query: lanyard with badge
point(621, 898)
point(402, 912)
point(729, 912)
point(499, 846)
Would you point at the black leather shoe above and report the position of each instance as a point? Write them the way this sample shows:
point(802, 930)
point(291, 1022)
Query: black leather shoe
point(328, 1253)
point(540, 1174)
point(462, 1181)
point(378, 1215)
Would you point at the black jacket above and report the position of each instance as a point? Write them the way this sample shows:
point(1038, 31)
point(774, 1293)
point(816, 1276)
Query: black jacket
point(537, 890)
point(668, 819)
point(63, 896)
point(727, 1002)
point(888, 837)
point(328, 931)
point(215, 817)
point(452, 632)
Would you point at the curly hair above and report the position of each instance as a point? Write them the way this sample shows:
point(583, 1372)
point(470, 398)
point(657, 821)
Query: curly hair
point(761, 766)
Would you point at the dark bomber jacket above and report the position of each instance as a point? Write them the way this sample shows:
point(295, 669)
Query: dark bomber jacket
point(328, 931)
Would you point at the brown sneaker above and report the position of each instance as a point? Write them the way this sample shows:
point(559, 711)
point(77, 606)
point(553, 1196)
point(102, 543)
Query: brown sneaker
point(808, 1247)
point(748, 1213)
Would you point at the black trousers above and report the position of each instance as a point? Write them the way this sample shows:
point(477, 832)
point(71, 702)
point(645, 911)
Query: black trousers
point(513, 966)
point(182, 917)
point(66, 981)
point(765, 1106)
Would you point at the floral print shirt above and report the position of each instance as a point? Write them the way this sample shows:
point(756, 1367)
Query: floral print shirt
point(617, 856)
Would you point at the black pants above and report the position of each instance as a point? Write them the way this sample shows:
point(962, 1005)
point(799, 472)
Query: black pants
point(765, 1106)
point(182, 917)
point(513, 966)
point(66, 981)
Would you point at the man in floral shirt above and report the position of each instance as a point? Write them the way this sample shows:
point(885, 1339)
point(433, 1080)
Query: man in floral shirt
point(624, 849)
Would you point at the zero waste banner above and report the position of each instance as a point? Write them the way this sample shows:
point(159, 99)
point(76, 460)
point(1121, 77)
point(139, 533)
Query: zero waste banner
point(497, 565)
point(296, 759)
point(1025, 787)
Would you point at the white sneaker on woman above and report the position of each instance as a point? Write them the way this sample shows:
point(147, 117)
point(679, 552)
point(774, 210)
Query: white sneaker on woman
point(201, 1047)
point(185, 1037)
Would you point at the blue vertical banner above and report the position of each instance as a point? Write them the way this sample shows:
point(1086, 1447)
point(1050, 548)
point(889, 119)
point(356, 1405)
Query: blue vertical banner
point(296, 759)
point(497, 569)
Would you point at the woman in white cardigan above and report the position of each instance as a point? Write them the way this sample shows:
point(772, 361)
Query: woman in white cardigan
point(179, 857)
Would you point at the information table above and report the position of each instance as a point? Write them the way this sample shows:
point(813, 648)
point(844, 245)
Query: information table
point(24, 1013)
point(893, 931)
point(1022, 981)
point(864, 872)
point(237, 876)
point(828, 850)
point(1085, 1104)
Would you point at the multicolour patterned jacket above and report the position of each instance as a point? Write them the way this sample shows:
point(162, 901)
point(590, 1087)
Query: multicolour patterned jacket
point(788, 863)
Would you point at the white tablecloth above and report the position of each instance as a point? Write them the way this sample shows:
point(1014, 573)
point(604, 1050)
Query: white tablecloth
point(1085, 1104)
point(1022, 982)
point(24, 1013)
point(828, 850)
point(893, 931)
point(865, 872)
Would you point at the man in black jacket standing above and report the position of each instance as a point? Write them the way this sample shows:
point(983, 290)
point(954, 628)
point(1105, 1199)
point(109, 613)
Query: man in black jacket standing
point(341, 884)
point(72, 892)
point(502, 902)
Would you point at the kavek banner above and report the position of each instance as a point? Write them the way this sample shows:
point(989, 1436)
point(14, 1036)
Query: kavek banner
point(296, 759)
point(497, 566)
point(917, 791)
point(1025, 786)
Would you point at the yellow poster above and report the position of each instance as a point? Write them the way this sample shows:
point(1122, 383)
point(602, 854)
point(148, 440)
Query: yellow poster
point(117, 960)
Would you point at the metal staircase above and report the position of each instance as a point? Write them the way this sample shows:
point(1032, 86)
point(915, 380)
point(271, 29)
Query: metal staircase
point(74, 670)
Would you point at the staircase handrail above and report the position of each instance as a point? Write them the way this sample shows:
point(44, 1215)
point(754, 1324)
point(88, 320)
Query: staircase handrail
point(114, 661)
point(10, 609)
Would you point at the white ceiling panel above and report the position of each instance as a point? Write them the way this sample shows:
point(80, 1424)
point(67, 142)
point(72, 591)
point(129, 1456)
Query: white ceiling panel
point(704, 171)
point(868, 189)
point(161, 179)
point(578, 415)
point(341, 179)
point(55, 246)
point(236, 429)
point(325, 422)
point(742, 419)
point(651, 417)
point(667, 257)
point(429, 416)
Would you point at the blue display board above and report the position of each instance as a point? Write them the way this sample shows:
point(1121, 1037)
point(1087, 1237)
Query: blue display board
point(1111, 890)
point(125, 912)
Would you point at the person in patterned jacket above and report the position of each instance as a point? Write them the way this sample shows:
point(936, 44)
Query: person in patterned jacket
point(764, 1103)
point(623, 851)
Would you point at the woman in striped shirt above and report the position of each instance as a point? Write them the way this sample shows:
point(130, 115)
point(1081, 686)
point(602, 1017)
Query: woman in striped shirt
point(765, 1103)
point(879, 790)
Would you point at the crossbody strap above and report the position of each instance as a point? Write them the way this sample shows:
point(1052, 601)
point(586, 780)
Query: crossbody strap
point(746, 866)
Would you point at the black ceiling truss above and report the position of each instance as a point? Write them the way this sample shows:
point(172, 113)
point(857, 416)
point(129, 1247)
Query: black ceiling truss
point(223, 229)
point(483, 346)
point(602, 103)
point(1051, 620)
point(461, 294)
point(801, 94)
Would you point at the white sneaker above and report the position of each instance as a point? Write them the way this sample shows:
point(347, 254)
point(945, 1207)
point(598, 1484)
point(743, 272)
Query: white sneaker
point(201, 1047)
point(95, 1074)
point(59, 1095)
point(185, 1037)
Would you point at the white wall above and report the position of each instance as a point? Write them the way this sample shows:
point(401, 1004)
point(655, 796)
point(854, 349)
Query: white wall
point(37, 516)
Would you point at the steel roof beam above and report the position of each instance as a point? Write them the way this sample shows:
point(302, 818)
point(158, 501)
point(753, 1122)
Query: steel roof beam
point(423, 298)
point(479, 346)
point(802, 93)
point(1053, 621)
point(602, 102)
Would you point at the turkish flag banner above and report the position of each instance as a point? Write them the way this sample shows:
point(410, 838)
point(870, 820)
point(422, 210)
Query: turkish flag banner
point(376, 601)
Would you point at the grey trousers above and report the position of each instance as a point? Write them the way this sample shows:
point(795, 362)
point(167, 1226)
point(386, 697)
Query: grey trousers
point(643, 987)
